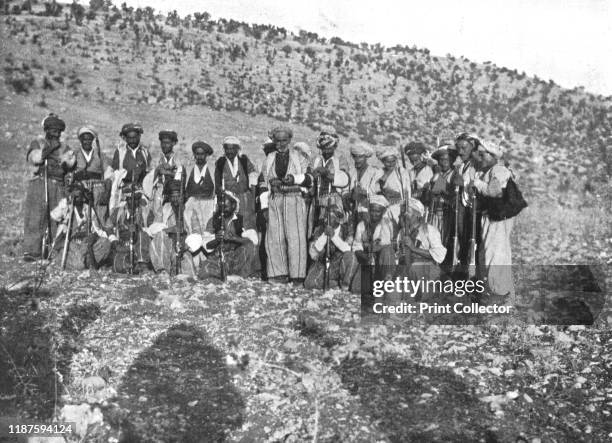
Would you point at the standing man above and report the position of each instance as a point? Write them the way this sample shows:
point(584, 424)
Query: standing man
point(261, 209)
point(364, 182)
point(395, 182)
point(167, 204)
point(465, 172)
point(421, 171)
point(496, 251)
point(285, 172)
point(236, 173)
point(331, 174)
point(90, 168)
point(131, 163)
point(48, 154)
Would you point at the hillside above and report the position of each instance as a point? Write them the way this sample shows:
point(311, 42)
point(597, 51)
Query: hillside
point(157, 358)
point(368, 92)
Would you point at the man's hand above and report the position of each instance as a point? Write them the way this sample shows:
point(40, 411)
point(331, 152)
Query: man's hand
point(275, 184)
point(457, 180)
point(289, 180)
point(408, 242)
point(220, 235)
point(329, 231)
point(51, 146)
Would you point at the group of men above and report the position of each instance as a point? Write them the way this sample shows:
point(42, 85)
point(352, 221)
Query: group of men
point(302, 217)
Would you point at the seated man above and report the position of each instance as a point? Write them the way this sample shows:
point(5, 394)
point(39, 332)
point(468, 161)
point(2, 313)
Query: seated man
point(230, 240)
point(373, 242)
point(422, 246)
point(342, 261)
point(89, 245)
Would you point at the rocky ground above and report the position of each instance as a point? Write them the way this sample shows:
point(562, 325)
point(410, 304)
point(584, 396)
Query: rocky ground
point(153, 358)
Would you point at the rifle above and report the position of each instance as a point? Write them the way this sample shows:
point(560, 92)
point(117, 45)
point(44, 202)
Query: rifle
point(132, 225)
point(327, 244)
point(472, 252)
point(456, 230)
point(222, 265)
point(89, 205)
point(68, 232)
point(46, 239)
point(180, 239)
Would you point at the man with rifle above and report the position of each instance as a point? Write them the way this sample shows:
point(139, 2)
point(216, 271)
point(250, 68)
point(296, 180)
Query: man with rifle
point(395, 182)
point(90, 168)
point(421, 172)
point(421, 245)
point(364, 182)
point(284, 175)
point(51, 160)
point(167, 210)
point(331, 172)
point(81, 241)
point(333, 263)
point(373, 243)
point(129, 206)
point(230, 248)
point(465, 172)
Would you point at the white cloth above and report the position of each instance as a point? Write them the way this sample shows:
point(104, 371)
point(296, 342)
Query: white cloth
point(318, 246)
point(428, 238)
point(383, 233)
point(87, 155)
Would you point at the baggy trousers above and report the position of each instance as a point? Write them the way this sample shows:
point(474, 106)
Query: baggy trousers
point(35, 213)
point(286, 242)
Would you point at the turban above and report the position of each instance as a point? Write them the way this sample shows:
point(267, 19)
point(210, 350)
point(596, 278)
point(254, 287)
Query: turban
point(86, 130)
point(302, 148)
point(362, 149)
point(52, 121)
point(231, 140)
point(129, 127)
point(386, 151)
point(233, 196)
point(168, 134)
point(471, 138)
point(416, 205)
point(327, 139)
point(415, 148)
point(448, 144)
point(275, 133)
point(439, 152)
point(379, 200)
point(492, 148)
point(208, 150)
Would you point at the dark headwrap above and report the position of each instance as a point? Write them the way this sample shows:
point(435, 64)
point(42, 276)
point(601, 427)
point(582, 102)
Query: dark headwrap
point(78, 190)
point(129, 127)
point(208, 150)
point(268, 146)
point(172, 135)
point(327, 139)
point(52, 121)
point(275, 132)
point(415, 148)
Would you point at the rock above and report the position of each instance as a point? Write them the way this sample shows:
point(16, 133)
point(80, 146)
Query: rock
point(93, 382)
point(291, 345)
point(8, 135)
